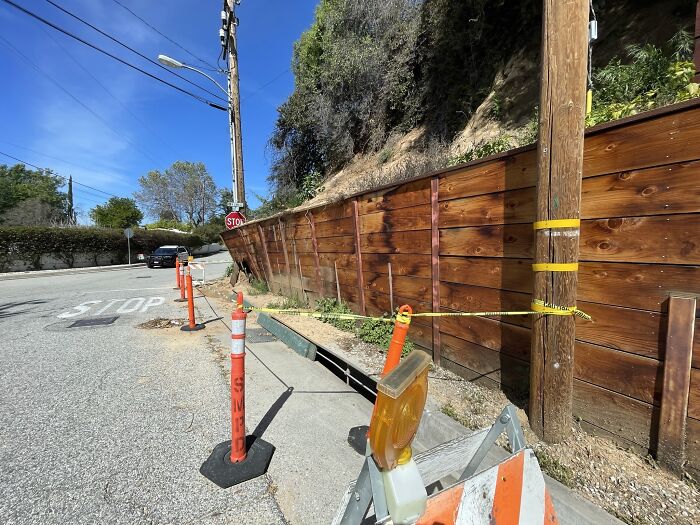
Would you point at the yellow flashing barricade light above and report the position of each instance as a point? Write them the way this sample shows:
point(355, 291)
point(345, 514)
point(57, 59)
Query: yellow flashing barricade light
point(389, 478)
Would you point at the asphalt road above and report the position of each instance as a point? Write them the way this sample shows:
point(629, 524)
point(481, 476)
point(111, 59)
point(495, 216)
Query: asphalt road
point(105, 423)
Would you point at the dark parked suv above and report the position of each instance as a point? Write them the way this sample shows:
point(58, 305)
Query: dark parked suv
point(166, 255)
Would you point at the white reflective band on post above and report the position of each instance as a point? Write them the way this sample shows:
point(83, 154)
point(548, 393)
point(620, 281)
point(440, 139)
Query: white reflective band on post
point(238, 326)
point(237, 346)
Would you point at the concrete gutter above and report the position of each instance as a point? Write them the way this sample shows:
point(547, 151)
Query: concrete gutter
point(8, 276)
point(437, 428)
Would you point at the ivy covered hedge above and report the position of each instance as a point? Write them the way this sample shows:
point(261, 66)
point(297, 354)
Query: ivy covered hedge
point(30, 243)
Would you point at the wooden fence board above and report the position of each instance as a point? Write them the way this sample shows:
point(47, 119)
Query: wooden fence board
point(400, 196)
point(666, 139)
point(692, 445)
point(694, 394)
point(332, 211)
point(401, 264)
point(402, 219)
point(659, 190)
point(334, 228)
point(409, 287)
point(508, 207)
point(399, 242)
point(512, 241)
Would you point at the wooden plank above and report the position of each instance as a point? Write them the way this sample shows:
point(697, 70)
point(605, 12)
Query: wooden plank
point(400, 196)
point(692, 445)
point(399, 242)
point(334, 245)
point(671, 188)
point(669, 239)
point(317, 263)
point(263, 245)
point(509, 339)
point(694, 394)
point(435, 265)
point(616, 413)
point(401, 264)
point(358, 254)
point(629, 374)
point(669, 138)
point(467, 298)
point(331, 212)
point(286, 254)
point(402, 219)
point(508, 207)
point(510, 172)
point(665, 239)
point(676, 382)
point(334, 228)
point(414, 288)
point(511, 241)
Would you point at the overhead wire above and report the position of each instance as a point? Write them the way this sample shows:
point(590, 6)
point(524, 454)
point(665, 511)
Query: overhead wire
point(43, 169)
point(210, 66)
point(118, 59)
point(117, 41)
point(76, 99)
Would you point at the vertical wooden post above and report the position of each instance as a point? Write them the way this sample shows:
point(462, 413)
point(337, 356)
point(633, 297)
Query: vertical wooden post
point(358, 254)
point(317, 261)
point(391, 289)
point(337, 282)
point(676, 386)
point(560, 165)
point(266, 256)
point(696, 55)
point(283, 235)
point(253, 260)
point(435, 264)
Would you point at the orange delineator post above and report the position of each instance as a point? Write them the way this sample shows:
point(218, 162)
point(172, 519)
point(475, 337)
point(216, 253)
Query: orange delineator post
point(182, 283)
point(238, 320)
point(192, 326)
point(177, 272)
point(401, 325)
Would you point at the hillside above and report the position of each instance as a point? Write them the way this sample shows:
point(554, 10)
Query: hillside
point(387, 90)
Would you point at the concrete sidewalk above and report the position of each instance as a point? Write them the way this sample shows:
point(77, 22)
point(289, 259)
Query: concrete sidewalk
point(305, 411)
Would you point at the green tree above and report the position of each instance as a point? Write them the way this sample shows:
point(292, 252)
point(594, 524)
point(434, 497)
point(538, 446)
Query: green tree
point(118, 212)
point(185, 192)
point(18, 183)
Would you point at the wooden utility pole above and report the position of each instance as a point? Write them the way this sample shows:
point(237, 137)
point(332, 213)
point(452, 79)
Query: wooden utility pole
point(696, 55)
point(235, 103)
point(560, 165)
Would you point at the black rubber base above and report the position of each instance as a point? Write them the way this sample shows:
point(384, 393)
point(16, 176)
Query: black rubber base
point(180, 300)
point(357, 439)
point(186, 328)
point(219, 469)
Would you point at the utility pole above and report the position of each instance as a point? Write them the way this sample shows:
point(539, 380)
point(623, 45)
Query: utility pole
point(230, 47)
point(560, 165)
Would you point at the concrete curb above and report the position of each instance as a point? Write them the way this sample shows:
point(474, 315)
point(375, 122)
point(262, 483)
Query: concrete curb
point(9, 276)
point(292, 339)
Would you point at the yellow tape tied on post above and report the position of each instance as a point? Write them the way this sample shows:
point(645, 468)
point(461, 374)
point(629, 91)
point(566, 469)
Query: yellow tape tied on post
point(556, 223)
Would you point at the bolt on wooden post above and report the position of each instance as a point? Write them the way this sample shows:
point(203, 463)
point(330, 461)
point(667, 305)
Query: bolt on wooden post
point(560, 166)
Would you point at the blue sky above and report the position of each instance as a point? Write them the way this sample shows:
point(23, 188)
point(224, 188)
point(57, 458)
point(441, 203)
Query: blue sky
point(135, 124)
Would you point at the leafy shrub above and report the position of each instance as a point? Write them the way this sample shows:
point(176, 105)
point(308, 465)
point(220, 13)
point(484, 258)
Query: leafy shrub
point(379, 332)
point(287, 303)
point(229, 270)
point(258, 287)
point(655, 77)
point(333, 306)
point(168, 225)
point(498, 145)
point(30, 243)
point(209, 233)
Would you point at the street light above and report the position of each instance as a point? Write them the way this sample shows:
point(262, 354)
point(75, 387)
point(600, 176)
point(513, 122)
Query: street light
point(176, 64)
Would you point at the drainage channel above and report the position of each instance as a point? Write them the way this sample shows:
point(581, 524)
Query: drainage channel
point(354, 378)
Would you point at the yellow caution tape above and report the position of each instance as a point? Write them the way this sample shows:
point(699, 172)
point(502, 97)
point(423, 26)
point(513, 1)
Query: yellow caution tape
point(538, 307)
point(541, 307)
point(555, 267)
point(556, 223)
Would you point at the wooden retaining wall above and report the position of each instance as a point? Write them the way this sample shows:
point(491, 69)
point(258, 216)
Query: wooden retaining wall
point(461, 240)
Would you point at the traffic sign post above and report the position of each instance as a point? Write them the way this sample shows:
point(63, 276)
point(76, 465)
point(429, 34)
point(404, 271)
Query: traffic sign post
point(234, 219)
point(128, 233)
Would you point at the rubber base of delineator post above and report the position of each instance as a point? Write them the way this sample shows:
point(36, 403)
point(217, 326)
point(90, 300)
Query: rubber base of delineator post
point(186, 328)
point(357, 439)
point(219, 469)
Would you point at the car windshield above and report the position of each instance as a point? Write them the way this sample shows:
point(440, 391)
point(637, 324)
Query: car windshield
point(165, 251)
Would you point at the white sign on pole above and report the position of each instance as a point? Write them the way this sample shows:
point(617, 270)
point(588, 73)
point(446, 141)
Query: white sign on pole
point(128, 233)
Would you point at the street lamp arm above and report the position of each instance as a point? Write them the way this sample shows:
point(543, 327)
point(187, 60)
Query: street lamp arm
point(209, 77)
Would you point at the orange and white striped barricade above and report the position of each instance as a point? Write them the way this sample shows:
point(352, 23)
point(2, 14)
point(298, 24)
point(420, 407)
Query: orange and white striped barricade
point(510, 493)
point(199, 266)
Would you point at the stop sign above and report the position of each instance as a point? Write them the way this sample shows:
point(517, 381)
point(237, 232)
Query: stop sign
point(233, 219)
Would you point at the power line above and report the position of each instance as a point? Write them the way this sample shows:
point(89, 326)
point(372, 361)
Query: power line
point(76, 99)
point(166, 36)
point(116, 40)
point(107, 90)
point(120, 60)
point(273, 80)
point(44, 169)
